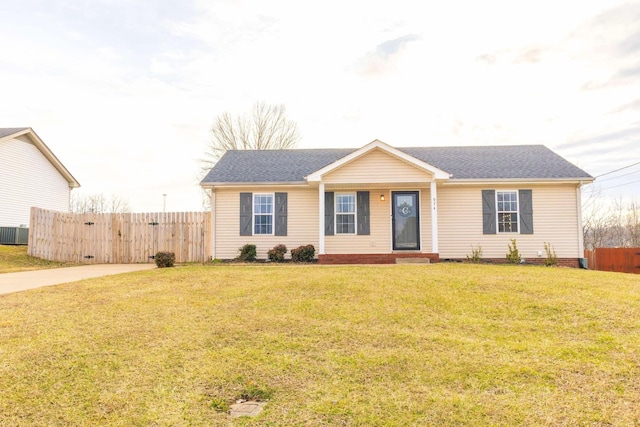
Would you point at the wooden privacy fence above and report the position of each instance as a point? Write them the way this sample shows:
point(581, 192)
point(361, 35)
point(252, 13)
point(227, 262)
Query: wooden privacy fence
point(622, 260)
point(121, 238)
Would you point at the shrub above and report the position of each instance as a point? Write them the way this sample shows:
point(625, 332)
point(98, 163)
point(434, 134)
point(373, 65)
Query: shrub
point(277, 253)
point(552, 258)
point(476, 255)
point(247, 253)
point(513, 256)
point(303, 253)
point(165, 259)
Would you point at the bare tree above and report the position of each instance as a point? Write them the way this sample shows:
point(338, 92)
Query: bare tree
point(595, 218)
point(98, 203)
point(633, 224)
point(264, 127)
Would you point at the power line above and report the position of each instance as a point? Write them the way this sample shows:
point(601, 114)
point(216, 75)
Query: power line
point(619, 176)
point(617, 170)
point(620, 185)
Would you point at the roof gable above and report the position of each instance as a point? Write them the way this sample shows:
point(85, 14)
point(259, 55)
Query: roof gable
point(377, 145)
point(11, 133)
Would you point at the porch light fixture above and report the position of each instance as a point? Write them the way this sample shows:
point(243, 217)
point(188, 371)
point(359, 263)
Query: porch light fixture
point(382, 197)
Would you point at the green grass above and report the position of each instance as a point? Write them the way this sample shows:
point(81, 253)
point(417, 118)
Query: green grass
point(444, 345)
point(15, 258)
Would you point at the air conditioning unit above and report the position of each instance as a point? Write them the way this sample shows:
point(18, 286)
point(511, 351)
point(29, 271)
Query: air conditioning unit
point(14, 236)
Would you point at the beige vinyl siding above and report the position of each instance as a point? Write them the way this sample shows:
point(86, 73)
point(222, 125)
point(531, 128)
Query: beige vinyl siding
point(28, 179)
point(554, 221)
point(379, 241)
point(302, 221)
point(376, 167)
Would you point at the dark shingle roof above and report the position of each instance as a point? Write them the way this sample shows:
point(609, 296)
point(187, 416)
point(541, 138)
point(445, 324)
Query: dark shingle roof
point(9, 131)
point(494, 162)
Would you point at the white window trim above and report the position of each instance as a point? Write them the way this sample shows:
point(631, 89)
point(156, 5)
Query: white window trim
point(336, 213)
point(253, 214)
point(517, 212)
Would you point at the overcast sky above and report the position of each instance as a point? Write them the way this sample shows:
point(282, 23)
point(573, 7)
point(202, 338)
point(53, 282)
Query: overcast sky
point(124, 91)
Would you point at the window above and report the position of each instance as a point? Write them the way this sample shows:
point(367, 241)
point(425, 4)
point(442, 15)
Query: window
point(507, 208)
point(263, 214)
point(345, 213)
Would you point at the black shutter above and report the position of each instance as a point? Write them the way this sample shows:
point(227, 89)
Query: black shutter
point(246, 214)
point(281, 214)
point(328, 214)
point(488, 212)
point(363, 212)
point(526, 211)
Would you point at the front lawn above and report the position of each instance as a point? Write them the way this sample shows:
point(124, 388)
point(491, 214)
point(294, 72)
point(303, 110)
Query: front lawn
point(15, 258)
point(401, 345)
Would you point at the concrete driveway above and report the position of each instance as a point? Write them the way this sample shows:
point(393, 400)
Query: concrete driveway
point(16, 282)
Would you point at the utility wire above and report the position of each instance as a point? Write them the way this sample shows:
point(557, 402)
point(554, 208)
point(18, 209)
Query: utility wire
point(618, 176)
point(620, 185)
point(617, 170)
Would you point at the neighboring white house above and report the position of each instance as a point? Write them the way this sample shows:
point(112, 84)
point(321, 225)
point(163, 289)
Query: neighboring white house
point(30, 175)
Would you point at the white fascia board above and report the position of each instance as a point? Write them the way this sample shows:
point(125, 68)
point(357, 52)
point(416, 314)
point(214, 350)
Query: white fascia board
point(469, 181)
point(437, 173)
point(213, 185)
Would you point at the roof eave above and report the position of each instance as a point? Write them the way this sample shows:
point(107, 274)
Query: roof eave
point(252, 184)
point(568, 180)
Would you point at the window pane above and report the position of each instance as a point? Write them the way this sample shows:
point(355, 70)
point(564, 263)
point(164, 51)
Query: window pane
point(345, 224)
point(263, 224)
point(262, 203)
point(345, 203)
point(507, 211)
point(263, 213)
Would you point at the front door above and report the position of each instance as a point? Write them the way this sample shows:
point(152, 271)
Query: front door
point(406, 220)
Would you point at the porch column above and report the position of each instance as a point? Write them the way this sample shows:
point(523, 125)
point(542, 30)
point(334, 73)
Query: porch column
point(321, 219)
point(212, 203)
point(434, 218)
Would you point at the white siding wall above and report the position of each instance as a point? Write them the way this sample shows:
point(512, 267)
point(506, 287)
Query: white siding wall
point(28, 179)
point(554, 221)
point(302, 222)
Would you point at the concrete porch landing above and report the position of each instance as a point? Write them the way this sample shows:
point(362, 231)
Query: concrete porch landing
point(413, 261)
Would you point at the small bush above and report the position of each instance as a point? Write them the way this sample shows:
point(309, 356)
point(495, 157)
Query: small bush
point(165, 259)
point(513, 256)
point(303, 253)
point(552, 258)
point(277, 253)
point(247, 253)
point(476, 255)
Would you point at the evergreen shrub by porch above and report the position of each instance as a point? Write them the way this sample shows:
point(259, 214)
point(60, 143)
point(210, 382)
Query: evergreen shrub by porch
point(247, 253)
point(303, 253)
point(165, 259)
point(277, 253)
